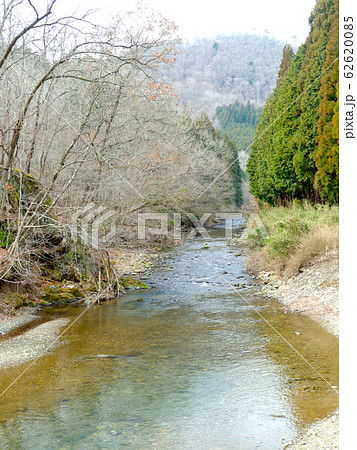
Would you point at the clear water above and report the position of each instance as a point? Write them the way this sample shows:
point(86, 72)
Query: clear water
point(190, 364)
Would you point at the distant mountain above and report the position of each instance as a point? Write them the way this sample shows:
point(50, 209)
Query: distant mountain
point(221, 71)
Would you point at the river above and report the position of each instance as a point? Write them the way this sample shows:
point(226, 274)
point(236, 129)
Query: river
point(189, 364)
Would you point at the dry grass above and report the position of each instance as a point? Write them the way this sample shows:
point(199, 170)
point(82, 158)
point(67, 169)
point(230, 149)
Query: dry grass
point(316, 243)
point(297, 235)
point(260, 261)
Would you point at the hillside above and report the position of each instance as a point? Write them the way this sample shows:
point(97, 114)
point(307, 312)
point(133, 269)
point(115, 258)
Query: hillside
point(239, 123)
point(220, 71)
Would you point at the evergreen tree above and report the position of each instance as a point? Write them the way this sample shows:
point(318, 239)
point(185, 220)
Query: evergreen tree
point(326, 155)
point(239, 123)
point(295, 152)
point(288, 55)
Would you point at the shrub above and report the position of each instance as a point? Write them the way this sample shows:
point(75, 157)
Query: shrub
point(296, 234)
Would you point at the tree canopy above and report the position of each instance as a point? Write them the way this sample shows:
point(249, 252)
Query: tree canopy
point(295, 152)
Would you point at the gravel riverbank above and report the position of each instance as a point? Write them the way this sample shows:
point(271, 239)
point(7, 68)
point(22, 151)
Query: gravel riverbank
point(9, 323)
point(322, 435)
point(313, 292)
point(31, 344)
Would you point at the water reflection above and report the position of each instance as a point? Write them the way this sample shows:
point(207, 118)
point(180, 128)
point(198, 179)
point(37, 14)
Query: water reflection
point(192, 366)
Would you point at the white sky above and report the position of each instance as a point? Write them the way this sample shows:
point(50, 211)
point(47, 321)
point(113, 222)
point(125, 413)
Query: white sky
point(283, 19)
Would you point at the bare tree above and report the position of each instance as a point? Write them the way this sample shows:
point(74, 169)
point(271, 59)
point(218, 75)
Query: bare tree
point(88, 114)
point(55, 71)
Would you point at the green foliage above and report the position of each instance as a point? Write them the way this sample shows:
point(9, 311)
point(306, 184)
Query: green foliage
point(237, 113)
point(326, 155)
point(288, 55)
point(257, 237)
point(6, 238)
point(18, 301)
point(295, 152)
point(285, 226)
point(239, 123)
point(286, 235)
point(77, 255)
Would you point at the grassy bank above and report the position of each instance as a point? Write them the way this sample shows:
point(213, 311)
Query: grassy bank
point(288, 238)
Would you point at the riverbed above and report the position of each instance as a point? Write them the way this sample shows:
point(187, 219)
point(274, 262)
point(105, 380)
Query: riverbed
point(199, 361)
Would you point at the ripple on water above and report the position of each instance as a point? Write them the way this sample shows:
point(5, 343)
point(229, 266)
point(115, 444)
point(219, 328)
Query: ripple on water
point(184, 367)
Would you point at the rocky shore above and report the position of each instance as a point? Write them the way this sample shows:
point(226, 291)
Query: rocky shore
point(313, 292)
point(127, 263)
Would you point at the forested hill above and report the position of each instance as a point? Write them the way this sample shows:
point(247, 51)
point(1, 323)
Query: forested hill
point(239, 122)
point(295, 152)
point(220, 71)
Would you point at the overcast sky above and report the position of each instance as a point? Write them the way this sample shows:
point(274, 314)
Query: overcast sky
point(282, 19)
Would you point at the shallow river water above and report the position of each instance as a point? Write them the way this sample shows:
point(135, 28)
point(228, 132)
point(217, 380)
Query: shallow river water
point(189, 364)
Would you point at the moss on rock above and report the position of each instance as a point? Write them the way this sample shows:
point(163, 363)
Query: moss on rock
point(17, 301)
point(56, 275)
point(131, 283)
point(53, 294)
point(25, 191)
